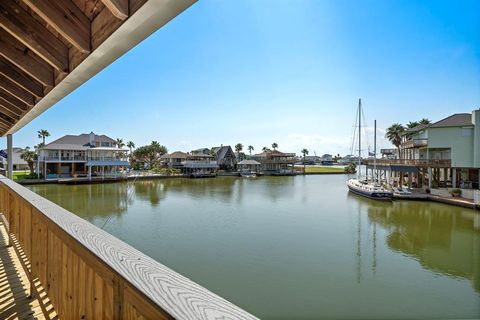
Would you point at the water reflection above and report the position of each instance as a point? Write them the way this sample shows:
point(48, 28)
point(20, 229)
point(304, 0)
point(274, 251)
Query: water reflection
point(443, 239)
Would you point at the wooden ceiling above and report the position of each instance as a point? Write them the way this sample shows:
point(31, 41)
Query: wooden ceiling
point(42, 41)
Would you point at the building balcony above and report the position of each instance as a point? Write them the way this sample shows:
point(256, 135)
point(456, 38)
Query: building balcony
point(414, 143)
point(444, 163)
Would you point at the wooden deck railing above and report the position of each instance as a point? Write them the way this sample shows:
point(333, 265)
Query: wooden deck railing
point(89, 274)
point(411, 162)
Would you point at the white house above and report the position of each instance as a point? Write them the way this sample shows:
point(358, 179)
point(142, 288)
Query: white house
point(18, 162)
point(84, 155)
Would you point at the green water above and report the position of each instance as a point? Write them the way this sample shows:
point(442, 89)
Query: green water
point(296, 247)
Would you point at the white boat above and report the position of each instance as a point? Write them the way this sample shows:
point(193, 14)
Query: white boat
point(248, 174)
point(370, 189)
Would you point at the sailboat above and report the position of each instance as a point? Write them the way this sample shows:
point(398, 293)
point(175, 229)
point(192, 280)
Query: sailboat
point(370, 189)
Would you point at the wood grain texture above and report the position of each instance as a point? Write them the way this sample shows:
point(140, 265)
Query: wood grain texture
point(20, 78)
point(20, 24)
point(66, 18)
point(115, 273)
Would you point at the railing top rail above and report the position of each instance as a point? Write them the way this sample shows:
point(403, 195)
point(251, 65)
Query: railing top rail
point(177, 295)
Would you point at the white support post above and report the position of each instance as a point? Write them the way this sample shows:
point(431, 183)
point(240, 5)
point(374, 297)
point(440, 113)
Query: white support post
point(454, 177)
point(10, 156)
point(429, 177)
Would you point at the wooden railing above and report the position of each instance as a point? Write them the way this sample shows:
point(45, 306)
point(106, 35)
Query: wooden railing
point(89, 274)
point(411, 162)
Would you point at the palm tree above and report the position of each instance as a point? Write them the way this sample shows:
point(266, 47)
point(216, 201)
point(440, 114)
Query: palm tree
point(29, 157)
point(424, 121)
point(42, 134)
point(394, 135)
point(265, 149)
point(274, 146)
point(130, 145)
point(238, 147)
point(120, 143)
point(412, 124)
point(250, 149)
point(304, 152)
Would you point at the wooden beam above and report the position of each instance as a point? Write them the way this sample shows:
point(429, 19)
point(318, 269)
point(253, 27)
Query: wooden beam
point(16, 91)
point(20, 24)
point(119, 8)
point(18, 76)
point(66, 18)
point(15, 52)
point(12, 101)
point(4, 120)
point(9, 112)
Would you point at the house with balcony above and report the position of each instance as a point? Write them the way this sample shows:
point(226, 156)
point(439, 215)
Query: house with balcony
point(443, 154)
point(82, 156)
point(275, 162)
point(174, 160)
point(18, 162)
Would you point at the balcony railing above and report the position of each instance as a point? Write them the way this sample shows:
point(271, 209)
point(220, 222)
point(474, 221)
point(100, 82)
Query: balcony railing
point(76, 261)
point(415, 143)
point(411, 162)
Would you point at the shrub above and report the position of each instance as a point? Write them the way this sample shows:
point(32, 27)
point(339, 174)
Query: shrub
point(351, 168)
point(456, 192)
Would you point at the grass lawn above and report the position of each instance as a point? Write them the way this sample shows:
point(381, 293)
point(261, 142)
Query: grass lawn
point(19, 175)
point(314, 169)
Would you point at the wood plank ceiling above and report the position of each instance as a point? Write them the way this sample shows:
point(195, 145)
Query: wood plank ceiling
point(42, 41)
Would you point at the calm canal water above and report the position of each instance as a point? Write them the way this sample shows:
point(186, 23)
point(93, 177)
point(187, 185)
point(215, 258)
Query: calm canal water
point(296, 247)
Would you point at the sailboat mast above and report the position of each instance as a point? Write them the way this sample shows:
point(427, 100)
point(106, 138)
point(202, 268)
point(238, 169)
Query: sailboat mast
point(375, 149)
point(359, 136)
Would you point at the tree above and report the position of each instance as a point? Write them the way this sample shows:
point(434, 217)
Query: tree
point(42, 134)
point(265, 149)
point(29, 157)
point(150, 154)
point(238, 147)
point(412, 124)
point(130, 145)
point(304, 152)
point(250, 149)
point(394, 135)
point(120, 143)
point(425, 121)
point(351, 168)
point(274, 146)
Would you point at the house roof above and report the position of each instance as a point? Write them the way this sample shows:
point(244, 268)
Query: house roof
point(222, 151)
point(80, 140)
point(249, 162)
point(455, 120)
point(175, 155)
point(270, 153)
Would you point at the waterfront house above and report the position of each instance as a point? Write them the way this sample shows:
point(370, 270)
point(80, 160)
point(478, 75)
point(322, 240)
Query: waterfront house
point(200, 151)
point(327, 159)
point(225, 157)
point(200, 164)
point(18, 162)
point(275, 162)
point(445, 153)
point(249, 165)
point(174, 160)
point(82, 156)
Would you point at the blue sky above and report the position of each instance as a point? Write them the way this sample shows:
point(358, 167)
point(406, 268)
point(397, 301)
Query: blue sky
point(290, 72)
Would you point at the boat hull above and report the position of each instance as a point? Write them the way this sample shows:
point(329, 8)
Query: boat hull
point(376, 195)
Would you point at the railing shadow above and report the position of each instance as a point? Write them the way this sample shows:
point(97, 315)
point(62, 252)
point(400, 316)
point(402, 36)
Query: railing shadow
point(20, 298)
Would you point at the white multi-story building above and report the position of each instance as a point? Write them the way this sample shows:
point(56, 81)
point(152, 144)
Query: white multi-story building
point(84, 155)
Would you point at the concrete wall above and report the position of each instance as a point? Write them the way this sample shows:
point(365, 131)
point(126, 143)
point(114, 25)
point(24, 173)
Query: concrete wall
point(461, 146)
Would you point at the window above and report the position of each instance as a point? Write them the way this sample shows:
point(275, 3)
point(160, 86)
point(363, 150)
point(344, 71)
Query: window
point(467, 132)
